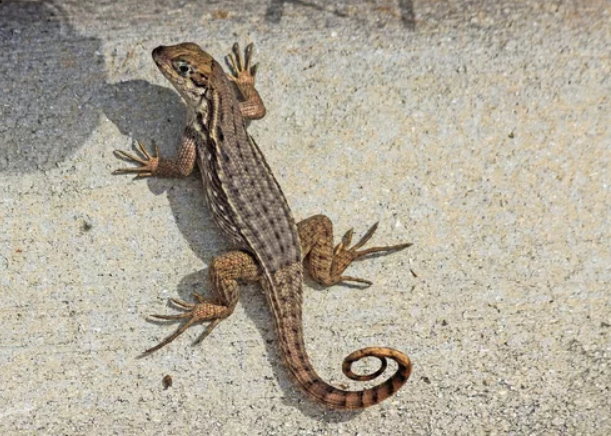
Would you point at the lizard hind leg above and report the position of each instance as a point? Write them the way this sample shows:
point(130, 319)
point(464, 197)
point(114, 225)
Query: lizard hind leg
point(223, 274)
point(326, 264)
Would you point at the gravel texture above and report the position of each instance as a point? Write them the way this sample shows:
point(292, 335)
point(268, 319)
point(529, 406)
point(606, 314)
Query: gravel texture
point(478, 130)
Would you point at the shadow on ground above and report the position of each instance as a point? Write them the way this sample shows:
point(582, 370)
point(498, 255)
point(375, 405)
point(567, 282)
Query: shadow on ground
point(49, 76)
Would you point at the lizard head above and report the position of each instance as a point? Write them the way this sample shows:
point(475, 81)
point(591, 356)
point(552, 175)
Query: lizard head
point(188, 68)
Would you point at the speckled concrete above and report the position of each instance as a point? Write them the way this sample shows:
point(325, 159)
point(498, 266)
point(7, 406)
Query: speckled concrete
point(478, 130)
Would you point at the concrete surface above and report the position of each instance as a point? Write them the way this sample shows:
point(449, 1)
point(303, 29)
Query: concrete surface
point(479, 130)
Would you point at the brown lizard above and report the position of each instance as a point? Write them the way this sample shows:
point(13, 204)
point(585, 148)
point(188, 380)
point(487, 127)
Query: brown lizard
point(249, 206)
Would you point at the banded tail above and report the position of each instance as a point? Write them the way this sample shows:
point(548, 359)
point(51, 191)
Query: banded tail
point(285, 297)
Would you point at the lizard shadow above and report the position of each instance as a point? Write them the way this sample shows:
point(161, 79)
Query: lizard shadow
point(256, 308)
point(147, 113)
point(159, 122)
point(164, 121)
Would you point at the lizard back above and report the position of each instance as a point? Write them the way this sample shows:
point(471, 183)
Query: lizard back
point(242, 191)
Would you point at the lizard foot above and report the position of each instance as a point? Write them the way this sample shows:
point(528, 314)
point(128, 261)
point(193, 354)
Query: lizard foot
point(206, 309)
point(241, 70)
point(344, 256)
point(148, 164)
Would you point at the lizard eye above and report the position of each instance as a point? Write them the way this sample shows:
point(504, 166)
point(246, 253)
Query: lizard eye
point(183, 68)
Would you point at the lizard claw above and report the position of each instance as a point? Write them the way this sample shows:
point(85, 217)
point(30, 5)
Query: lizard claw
point(343, 255)
point(148, 164)
point(241, 70)
point(355, 253)
point(206, 309)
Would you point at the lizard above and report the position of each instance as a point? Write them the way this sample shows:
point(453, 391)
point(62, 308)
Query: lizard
point(249, 206)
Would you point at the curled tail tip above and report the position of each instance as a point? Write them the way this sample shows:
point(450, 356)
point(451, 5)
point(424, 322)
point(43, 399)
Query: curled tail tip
point(381, 354)
point(340, 399)
point(377, 394)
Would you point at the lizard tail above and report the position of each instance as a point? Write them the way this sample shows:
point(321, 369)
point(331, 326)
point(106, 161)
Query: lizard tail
point(285, 297)
point(337, 398)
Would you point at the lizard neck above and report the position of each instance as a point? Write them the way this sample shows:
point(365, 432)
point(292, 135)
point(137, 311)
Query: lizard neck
point(198, 117)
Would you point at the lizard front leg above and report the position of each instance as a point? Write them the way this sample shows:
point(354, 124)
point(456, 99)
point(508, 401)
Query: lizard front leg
point(325, 263)
point(243, 75)
point(153, 165)
point(223, 274)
